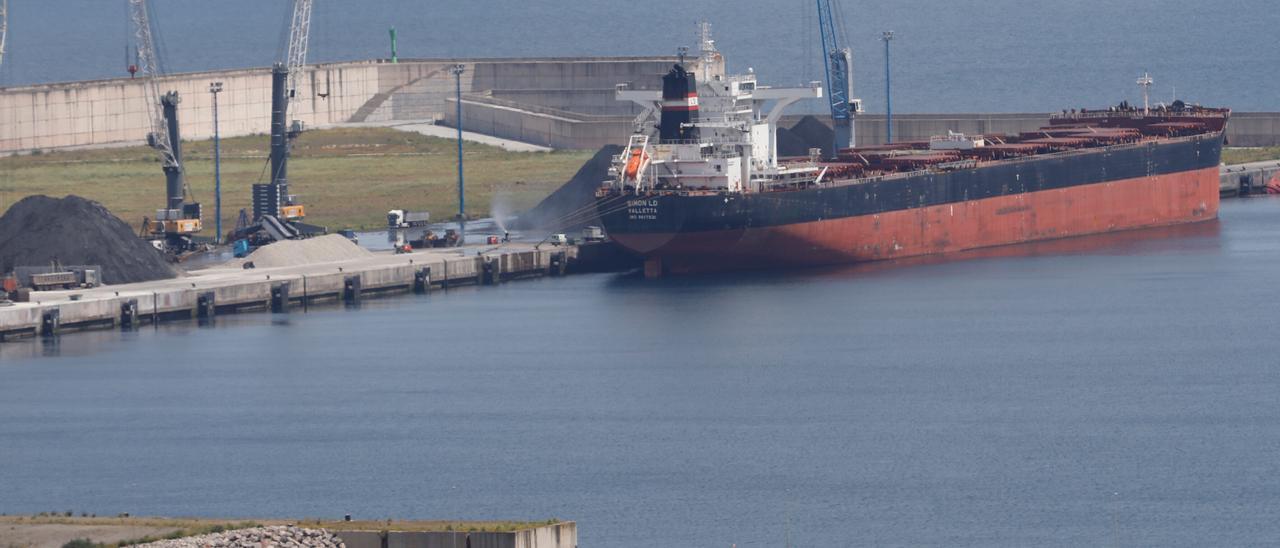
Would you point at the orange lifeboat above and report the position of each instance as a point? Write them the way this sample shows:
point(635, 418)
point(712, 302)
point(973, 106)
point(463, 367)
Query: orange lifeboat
point(633, 164)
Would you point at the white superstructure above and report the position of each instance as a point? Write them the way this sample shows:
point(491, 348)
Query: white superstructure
point(736, 145)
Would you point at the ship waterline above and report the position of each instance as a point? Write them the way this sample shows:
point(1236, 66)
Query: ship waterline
point(1126, 204)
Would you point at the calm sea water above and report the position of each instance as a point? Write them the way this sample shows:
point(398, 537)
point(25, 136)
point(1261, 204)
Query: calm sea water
point(949, 55)
point(1094, 392)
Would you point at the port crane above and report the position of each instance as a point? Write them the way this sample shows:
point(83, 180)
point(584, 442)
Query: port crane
point(838, 62)
point(272, 198)
point(179, 219)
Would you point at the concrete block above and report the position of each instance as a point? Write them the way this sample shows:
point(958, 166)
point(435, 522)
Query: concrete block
point(440, 539)
point(493, 540)
point(13, 318)
point(323, 284)
point(360, 539)
point(243, 293)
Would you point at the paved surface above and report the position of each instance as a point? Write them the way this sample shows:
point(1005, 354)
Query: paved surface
point(426, 127)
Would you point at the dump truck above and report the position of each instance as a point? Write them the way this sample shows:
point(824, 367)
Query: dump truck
point(400, 218)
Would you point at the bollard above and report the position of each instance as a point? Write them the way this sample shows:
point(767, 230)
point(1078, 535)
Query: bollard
point(129, 314)
point(205, 306)
point(422, 280)
point(351, 290)
point(49, 321)
point(280, 297)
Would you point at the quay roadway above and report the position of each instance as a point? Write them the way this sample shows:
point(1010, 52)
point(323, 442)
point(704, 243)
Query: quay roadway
point(207, 292)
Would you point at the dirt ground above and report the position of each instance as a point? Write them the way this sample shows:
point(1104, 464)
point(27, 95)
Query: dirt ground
point(54, 535)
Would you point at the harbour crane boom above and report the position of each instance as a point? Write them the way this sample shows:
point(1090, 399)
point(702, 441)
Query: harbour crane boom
point(299, 36)
point(838, 62)
point(149, 66)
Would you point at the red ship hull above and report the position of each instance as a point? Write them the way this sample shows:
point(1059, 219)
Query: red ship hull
point(1125, 204)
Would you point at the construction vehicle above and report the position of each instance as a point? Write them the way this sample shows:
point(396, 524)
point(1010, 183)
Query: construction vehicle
point(838, 63)
point(433, 240)
point(175, 225)
point(592, 234)
point(57, 277)
point(400, 218)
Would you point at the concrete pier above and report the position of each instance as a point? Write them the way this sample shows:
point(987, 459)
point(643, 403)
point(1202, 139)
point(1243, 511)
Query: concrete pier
point(204, 294)
point(557, 535)
point(1251, 178)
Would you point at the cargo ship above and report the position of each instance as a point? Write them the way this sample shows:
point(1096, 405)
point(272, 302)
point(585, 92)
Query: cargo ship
point(700, 187)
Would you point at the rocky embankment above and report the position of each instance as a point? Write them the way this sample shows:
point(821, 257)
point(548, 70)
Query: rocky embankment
point(280, 536)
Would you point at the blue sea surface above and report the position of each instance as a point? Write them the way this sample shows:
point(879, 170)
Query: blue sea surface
point(1105, 391)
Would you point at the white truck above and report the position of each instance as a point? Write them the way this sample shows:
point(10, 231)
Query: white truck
point(399, 218)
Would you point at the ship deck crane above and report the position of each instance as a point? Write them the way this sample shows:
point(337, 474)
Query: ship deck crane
point(838, 62)
point(179, 219)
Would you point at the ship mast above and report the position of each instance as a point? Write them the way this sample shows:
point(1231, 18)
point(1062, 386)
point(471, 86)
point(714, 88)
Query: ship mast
point(1146, 83)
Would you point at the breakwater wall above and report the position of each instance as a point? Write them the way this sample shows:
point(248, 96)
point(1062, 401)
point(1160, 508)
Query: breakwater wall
point(555, 102)
point(114, 111)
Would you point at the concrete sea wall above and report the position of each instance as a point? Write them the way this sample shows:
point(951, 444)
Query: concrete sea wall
point(114, 111)
point(557, 102)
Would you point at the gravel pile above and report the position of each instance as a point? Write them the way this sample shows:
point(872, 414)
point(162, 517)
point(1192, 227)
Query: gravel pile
point(282, 536)
point(571, 207)
point(39, 230)
point(323, 249)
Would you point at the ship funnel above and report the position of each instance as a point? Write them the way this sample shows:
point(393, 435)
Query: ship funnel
point(679, 106)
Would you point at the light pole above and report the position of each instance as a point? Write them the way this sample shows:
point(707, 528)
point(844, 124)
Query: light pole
point(888, 90)
point(214, 89)
point(457, 71)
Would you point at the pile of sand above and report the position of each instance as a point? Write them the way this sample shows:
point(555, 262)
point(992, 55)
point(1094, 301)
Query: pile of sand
point(39, 230)
point(324, 249)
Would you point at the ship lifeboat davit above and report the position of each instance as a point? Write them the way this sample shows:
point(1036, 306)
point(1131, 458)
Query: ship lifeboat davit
point(635, 163)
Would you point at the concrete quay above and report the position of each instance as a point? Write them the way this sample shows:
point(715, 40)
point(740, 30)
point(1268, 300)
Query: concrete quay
point(203, 294)
point(1250, 178)
point(557, 535)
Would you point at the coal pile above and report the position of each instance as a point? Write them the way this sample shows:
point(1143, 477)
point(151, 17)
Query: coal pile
point(572, 206)
point(789, 144)
point(39, 230)
point(814, 134)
